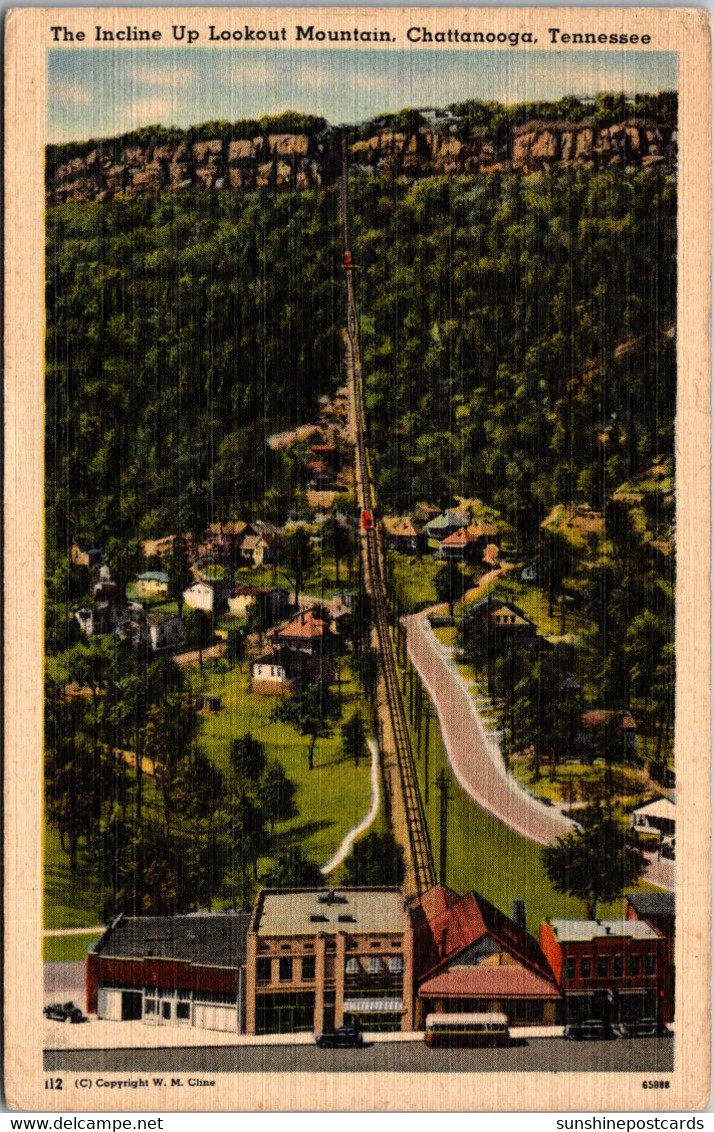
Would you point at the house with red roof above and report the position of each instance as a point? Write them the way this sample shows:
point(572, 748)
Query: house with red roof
point(468, 544)
point(309, 631)
point(471, 958)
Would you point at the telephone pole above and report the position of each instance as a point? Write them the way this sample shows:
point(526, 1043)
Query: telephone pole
point(444, 787)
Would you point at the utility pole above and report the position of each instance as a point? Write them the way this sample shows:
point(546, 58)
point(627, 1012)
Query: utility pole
point(489, 644)
point(443, 786)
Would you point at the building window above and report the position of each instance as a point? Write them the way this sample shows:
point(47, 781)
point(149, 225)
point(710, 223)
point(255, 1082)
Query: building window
point(585, 967)
point(634, 965)
point(352, 967)
point(308, 968)
point(569, 967)
point(264, 970)
point(150, 1006)
point(395, 964)
point(286, 970)
point(618, 966)
point(374, 965)
point(183, 1011)
point(603, 964)
point(650, 963)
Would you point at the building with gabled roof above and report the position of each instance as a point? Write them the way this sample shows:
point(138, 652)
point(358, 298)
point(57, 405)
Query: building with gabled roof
point(470, 957)
point(400, 534)
point(310, 631)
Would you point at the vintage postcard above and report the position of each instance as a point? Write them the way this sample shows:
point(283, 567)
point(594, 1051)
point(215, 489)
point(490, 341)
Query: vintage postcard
point(357, 558)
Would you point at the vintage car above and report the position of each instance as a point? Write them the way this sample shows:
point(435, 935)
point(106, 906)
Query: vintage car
point(643, 1028)
point(64, 1012)
point(344, 1037)
point(590, 1030)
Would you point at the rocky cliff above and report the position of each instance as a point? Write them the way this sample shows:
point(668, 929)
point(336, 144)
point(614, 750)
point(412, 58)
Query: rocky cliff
point(295, 161)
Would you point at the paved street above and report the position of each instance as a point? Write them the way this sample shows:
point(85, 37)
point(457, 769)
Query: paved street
point(649, 1056)
point(473, 754)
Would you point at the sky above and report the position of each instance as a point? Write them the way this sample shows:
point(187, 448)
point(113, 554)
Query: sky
point(101, 92)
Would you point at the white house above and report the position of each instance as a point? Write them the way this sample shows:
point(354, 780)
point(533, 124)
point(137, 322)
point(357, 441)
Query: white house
point(655, 817)
point(165, 630)
point(209, 596)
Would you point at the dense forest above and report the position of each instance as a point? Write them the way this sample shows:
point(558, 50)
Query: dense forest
point(181, 331)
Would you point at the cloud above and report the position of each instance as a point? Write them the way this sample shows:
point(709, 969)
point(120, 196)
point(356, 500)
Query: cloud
point(69, 93)
point(172, 77)
point(150, 110)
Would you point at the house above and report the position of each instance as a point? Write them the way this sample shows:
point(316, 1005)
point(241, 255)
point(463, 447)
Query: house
point(225, 538)
point(656, 817)
point(81, 557)
point(593, 720)
point(106, 591)
point(274, 603)
point(210, 596)
point(317, 958)
point(612, 970)
point(158, 547)
point(320, 476)
point(510, 626)
point(471, 958)
point(285, 671)
point(171, 970)
point(469, 544)
point(447, 523)
point(251, 550)
point(165, 631)
point(400, 534)
point(152, 583)
point(308, 631)
point(97, 620)
point(328, 454)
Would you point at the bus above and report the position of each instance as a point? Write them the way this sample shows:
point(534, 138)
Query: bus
point(466, 1030)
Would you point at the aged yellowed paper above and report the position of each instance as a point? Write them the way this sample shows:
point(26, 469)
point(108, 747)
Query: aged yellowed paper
point(357, 558)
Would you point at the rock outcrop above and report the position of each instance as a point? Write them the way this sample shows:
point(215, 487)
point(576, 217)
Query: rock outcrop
point(297, 162)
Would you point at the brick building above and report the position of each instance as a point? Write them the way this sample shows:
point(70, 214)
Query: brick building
point(171, 970)
point(613, 970)
point(318, 957)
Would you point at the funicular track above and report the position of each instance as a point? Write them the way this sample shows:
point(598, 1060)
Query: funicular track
point(373, 572)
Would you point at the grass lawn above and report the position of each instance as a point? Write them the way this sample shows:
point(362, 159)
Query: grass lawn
point(66, 948)
point(485, 855)
point(331, 798)
point(68, 902)
point(413, 580)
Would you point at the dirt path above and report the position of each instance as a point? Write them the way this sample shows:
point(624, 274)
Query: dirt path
point(345, 847)
point(474, 756)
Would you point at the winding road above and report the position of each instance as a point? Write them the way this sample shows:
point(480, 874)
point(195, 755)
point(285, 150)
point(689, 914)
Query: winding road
point(474, 757)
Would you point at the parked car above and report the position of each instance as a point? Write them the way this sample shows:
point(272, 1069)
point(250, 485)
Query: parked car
point(344, 1037)
point(64, 1012)
point(643, 1028)
point(590, 1030)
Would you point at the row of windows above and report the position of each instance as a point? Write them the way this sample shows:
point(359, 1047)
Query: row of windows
point(606, 966)
point(372, 964)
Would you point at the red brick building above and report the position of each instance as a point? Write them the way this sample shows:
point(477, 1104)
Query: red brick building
point(613, 970)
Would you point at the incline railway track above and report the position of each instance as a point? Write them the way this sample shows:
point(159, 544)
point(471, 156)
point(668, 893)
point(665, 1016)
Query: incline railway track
point(373, 572)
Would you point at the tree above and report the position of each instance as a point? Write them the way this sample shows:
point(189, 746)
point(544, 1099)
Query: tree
point(247, 758)
point(292, 869)
point(277, 794)
point(298, 558)
point(354, 738)
point(337, 543)
point(596, 862)
point(179, 571)
point(377, 860)
point(451, 584)
point(312, 712)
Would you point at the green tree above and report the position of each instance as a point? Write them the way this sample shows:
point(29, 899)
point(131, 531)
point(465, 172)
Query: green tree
point(451, 584)
point(377, 860)
point(354, 738)
point(337, 543)
point(298, 558)
point(247, 758)
point(277, 795)
point(312, 712)
point(595, 863)
point(292, 869)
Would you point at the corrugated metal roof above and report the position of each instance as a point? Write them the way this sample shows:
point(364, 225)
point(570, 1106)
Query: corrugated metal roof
point(215, 939)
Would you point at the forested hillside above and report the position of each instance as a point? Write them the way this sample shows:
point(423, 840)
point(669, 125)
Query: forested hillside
point(519, 335)
point(181, 331)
